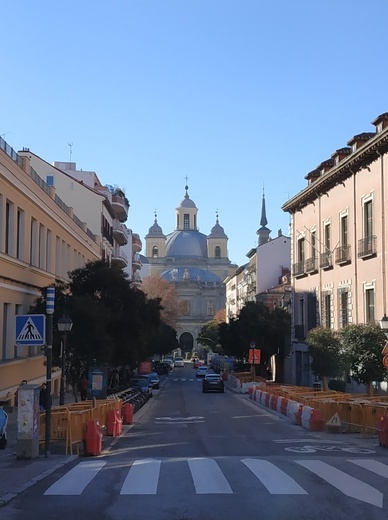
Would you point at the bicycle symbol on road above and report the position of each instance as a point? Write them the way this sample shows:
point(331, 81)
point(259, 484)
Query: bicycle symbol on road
point(329, 449)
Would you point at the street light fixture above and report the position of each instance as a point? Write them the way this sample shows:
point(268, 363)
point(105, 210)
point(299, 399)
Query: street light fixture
point(384, 324)
point(64, 325)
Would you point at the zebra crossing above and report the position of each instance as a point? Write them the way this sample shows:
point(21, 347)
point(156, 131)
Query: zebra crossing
point(210, 476)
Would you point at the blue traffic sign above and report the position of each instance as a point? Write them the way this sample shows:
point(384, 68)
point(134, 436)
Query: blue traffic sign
point(30, 329)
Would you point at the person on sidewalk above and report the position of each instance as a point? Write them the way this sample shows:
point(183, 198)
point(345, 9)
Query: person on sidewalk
point(3, 427)
point(43, 397)
point(84, 388)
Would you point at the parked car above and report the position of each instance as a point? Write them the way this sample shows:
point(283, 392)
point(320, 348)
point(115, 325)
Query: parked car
point(154, 378)
point(143, 384)
point(212, 382)
point(179, 362)
point(170, 361)
point(202, 371)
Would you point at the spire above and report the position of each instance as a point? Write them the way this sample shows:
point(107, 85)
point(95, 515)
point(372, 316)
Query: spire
point(263, 232)
point(263, 220)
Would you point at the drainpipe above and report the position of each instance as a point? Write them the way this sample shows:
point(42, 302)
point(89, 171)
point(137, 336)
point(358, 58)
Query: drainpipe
point(355, 289)
point(384, 282)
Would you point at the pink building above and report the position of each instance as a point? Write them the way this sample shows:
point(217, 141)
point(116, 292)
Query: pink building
point(339, 238)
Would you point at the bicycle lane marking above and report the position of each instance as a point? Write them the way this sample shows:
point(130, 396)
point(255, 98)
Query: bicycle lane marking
point(329, 449)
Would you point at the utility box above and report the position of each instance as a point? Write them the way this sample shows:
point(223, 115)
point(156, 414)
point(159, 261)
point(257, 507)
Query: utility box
point(27, 444)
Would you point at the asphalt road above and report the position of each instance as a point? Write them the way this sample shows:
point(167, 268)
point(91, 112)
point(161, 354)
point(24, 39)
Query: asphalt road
point(195, 456)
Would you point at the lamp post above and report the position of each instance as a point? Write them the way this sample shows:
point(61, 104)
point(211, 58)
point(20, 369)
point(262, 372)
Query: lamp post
point(64, 325)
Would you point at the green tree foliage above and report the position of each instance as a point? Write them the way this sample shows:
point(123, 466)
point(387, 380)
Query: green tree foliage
point(363, 344)
point(328, 359)
point(113, 323)
point(269, 330)
point(209, 336)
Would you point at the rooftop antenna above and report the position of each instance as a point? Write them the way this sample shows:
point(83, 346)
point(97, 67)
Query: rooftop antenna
point(71, 149)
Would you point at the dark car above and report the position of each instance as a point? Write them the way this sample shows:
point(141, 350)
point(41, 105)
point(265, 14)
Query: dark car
point(212, 382)
point(163, 368)
point(143, 384)
point(153, 377)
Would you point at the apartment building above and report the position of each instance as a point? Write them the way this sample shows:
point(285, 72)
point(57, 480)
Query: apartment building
point(42, 238)
point(339, 242)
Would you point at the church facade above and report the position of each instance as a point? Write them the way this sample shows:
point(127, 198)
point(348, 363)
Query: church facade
point(197, 265)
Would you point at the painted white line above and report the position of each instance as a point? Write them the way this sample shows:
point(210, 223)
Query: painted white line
point(310, 440)
point(372, 465)
point(76, 480)
point(207, 477)
point(274, 479)
point(142, 478)
point(347, 484)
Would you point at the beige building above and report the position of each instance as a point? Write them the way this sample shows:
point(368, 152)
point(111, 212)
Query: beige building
point(339, 242)
point(42, 238)
point(195, 263)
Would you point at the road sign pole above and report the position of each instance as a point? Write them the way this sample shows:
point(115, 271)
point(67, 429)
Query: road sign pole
point(50, 297)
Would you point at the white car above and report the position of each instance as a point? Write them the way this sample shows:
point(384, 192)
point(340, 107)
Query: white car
point(202, 371)
point(179, 362)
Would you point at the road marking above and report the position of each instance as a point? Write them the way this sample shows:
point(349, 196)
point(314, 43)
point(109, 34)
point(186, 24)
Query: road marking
point(315, 441)
point(142, 478)
point(274, 479)
point(207, 477)
point(76, 480)
point(348, 485)
point(372, 465)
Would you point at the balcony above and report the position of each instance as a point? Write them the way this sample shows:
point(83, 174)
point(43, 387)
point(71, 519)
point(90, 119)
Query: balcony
point(136, 262)
point(136, 243)
point(119, 257)
point(342, 255)
point(121, 206)
point(120, 233)
point(326, 260)
point(367, 247)
point(298, 269)
point(312, 264)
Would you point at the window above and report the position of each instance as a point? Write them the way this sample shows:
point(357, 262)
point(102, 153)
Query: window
point(326, 310)
point(217, 252)
point(210, 309)
point(369, 305)
point(300, 252)
point(344, 230)
point(313, 244)
point(186, 221)
point(343, 298)
point(7, 227)
point(50, 180)
point(155, 252)
point(326, 237)
point(368, 219)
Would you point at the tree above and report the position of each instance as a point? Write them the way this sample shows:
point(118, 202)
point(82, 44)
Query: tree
point(209, 336)
point(158, 288)
point(113, 323)
point(364, 344)
point(328, 360)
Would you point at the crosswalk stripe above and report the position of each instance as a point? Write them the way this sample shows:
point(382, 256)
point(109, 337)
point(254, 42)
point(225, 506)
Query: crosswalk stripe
point(76, 480)
point(274, 479)
point(142, 478)
point(372, 465)
point(207, 477)
point(348, 485)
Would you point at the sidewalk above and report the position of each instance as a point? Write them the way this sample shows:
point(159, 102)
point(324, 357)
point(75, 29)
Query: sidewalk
point(19, 475)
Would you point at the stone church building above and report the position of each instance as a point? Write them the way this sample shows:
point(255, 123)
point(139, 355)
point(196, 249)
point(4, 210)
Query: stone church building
point(197, 264)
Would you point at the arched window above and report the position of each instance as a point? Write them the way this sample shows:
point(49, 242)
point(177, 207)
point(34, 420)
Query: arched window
point(217, 252)
point(155, 252)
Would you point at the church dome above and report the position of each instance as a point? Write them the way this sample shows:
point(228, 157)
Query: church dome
point(187, 202)
point(217, 231)
point(186, 243)
point(194, 274)
point(155, 230)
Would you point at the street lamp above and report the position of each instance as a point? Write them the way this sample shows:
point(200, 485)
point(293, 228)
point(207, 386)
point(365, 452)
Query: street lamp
point(64, 325)
point(384, 324)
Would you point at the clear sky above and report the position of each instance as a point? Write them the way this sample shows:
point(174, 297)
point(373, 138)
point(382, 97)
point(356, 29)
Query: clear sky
point(234, 94)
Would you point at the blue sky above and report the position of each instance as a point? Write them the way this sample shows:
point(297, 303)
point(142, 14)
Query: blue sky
point(234, 94)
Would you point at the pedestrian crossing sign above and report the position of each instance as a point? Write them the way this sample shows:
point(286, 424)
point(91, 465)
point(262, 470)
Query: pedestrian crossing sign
point(30, 330)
